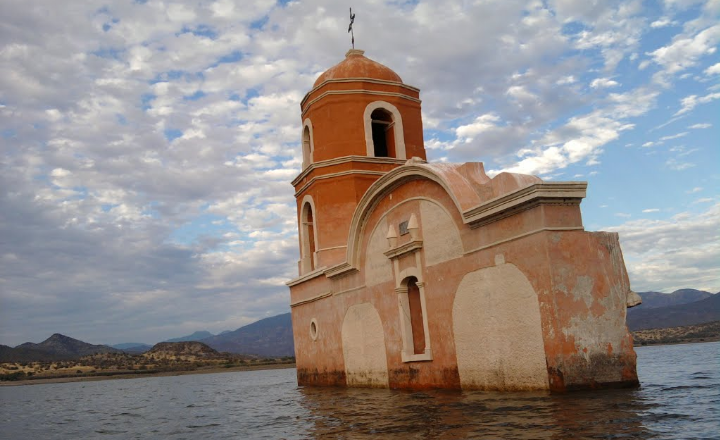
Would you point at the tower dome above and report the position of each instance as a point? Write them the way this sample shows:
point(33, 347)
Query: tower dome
point(356, 65)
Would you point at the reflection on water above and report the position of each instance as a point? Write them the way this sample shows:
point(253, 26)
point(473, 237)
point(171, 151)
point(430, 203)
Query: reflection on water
point(357, 413)
point(679, 398)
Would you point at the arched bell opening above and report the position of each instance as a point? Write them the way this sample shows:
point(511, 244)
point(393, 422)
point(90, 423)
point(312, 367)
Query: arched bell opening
point(383, 133)
point(384, 136)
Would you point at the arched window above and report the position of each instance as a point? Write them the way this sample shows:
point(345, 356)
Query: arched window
point(383, 133)
point(307, 144)
point(413, 320)
point(416, 316)
point(307, 238)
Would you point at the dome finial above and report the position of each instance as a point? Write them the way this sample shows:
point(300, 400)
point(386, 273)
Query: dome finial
point(350, 29)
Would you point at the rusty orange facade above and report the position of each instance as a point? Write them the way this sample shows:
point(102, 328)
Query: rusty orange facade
point(419, 275)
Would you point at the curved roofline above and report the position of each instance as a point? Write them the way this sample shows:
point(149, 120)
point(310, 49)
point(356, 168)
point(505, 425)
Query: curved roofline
point(359, 79)
point(467, 187)
point(413, 170)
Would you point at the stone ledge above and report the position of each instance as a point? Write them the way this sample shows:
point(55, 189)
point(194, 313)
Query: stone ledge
point(570, 193)
point(403, 249)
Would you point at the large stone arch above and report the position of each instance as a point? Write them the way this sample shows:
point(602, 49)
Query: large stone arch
point(460, 191)
point(363, 341)
point(498, 333)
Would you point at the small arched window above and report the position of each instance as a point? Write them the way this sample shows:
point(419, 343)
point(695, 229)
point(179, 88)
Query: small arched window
point(307, 144)
point(307, 236)
point(413, 320)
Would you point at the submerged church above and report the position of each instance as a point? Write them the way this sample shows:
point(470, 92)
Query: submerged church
point(435, 275)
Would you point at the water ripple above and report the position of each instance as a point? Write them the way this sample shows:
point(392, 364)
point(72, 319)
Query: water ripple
point(679, 398)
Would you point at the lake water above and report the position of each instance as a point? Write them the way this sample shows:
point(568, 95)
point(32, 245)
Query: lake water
point(679, 399)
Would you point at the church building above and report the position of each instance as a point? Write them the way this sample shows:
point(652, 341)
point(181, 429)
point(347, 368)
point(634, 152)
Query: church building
point(435, 275)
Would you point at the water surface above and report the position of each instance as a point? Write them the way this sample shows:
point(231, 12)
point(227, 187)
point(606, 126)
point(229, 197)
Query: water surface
point(679, 399)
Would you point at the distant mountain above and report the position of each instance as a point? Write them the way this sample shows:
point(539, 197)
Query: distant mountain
point(56, 347)
point(652, 300)
point(182, 350)
point(710, 331)
point(127, 345)
point(268, 337)
point(698, 312)
point(197, 336)
point(133, 347)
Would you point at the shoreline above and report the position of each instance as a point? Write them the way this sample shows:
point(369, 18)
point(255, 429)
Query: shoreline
point(211, 370)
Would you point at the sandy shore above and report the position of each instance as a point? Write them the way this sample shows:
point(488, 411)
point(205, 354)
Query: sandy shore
point(211, 370)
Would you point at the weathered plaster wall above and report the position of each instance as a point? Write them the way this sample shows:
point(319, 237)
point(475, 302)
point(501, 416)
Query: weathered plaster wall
point(588, 344)
point(363, 342)
point(498, 335)
point(440, 234)
point(377, 268)
point(577, 280)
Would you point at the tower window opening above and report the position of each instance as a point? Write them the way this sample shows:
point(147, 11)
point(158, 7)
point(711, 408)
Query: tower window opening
point(306, 148)
point(308, 239)
point(383, 133)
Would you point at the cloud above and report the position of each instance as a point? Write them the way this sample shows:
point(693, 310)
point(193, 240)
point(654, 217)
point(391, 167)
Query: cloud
point(678, 165)
point(674, 136)
point(685, 51)
point(662, 22)
point(650, 210)
point(713, 70)
point(700, 126)
point(666, 255)
point(602, 83)
point(147, 147)
point(690, 102)
point(702, 200)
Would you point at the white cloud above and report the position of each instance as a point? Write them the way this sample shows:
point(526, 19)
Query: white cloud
point(702, 200)
point(713, 70)
point(700, 126)
point(685, 51)
point(674, 136)
point(665, 255)
point(662, 22)
point(690, 102)
point(678, 165)
point(202, 229)
point(603, 83)
point(694, 190)
point(650, 210)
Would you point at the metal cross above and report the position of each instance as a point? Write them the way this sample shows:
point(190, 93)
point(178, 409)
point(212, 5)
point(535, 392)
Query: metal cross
point(350, 29)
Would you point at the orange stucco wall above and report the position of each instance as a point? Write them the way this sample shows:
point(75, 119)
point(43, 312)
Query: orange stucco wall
point(555, 262)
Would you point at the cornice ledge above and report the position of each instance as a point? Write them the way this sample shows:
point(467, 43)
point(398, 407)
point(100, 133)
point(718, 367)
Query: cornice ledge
point(345, 159)
point(308, 276)
point(339, 269)
point(404, 249)
point(358, 79)
point(547, 192)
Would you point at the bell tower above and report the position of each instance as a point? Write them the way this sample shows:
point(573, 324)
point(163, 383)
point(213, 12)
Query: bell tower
point(359, 121)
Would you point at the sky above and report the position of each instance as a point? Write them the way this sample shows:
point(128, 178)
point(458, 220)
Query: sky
point(147, 147)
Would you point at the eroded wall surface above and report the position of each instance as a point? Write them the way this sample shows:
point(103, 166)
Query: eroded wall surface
point(498, 335)
point(530, 301)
